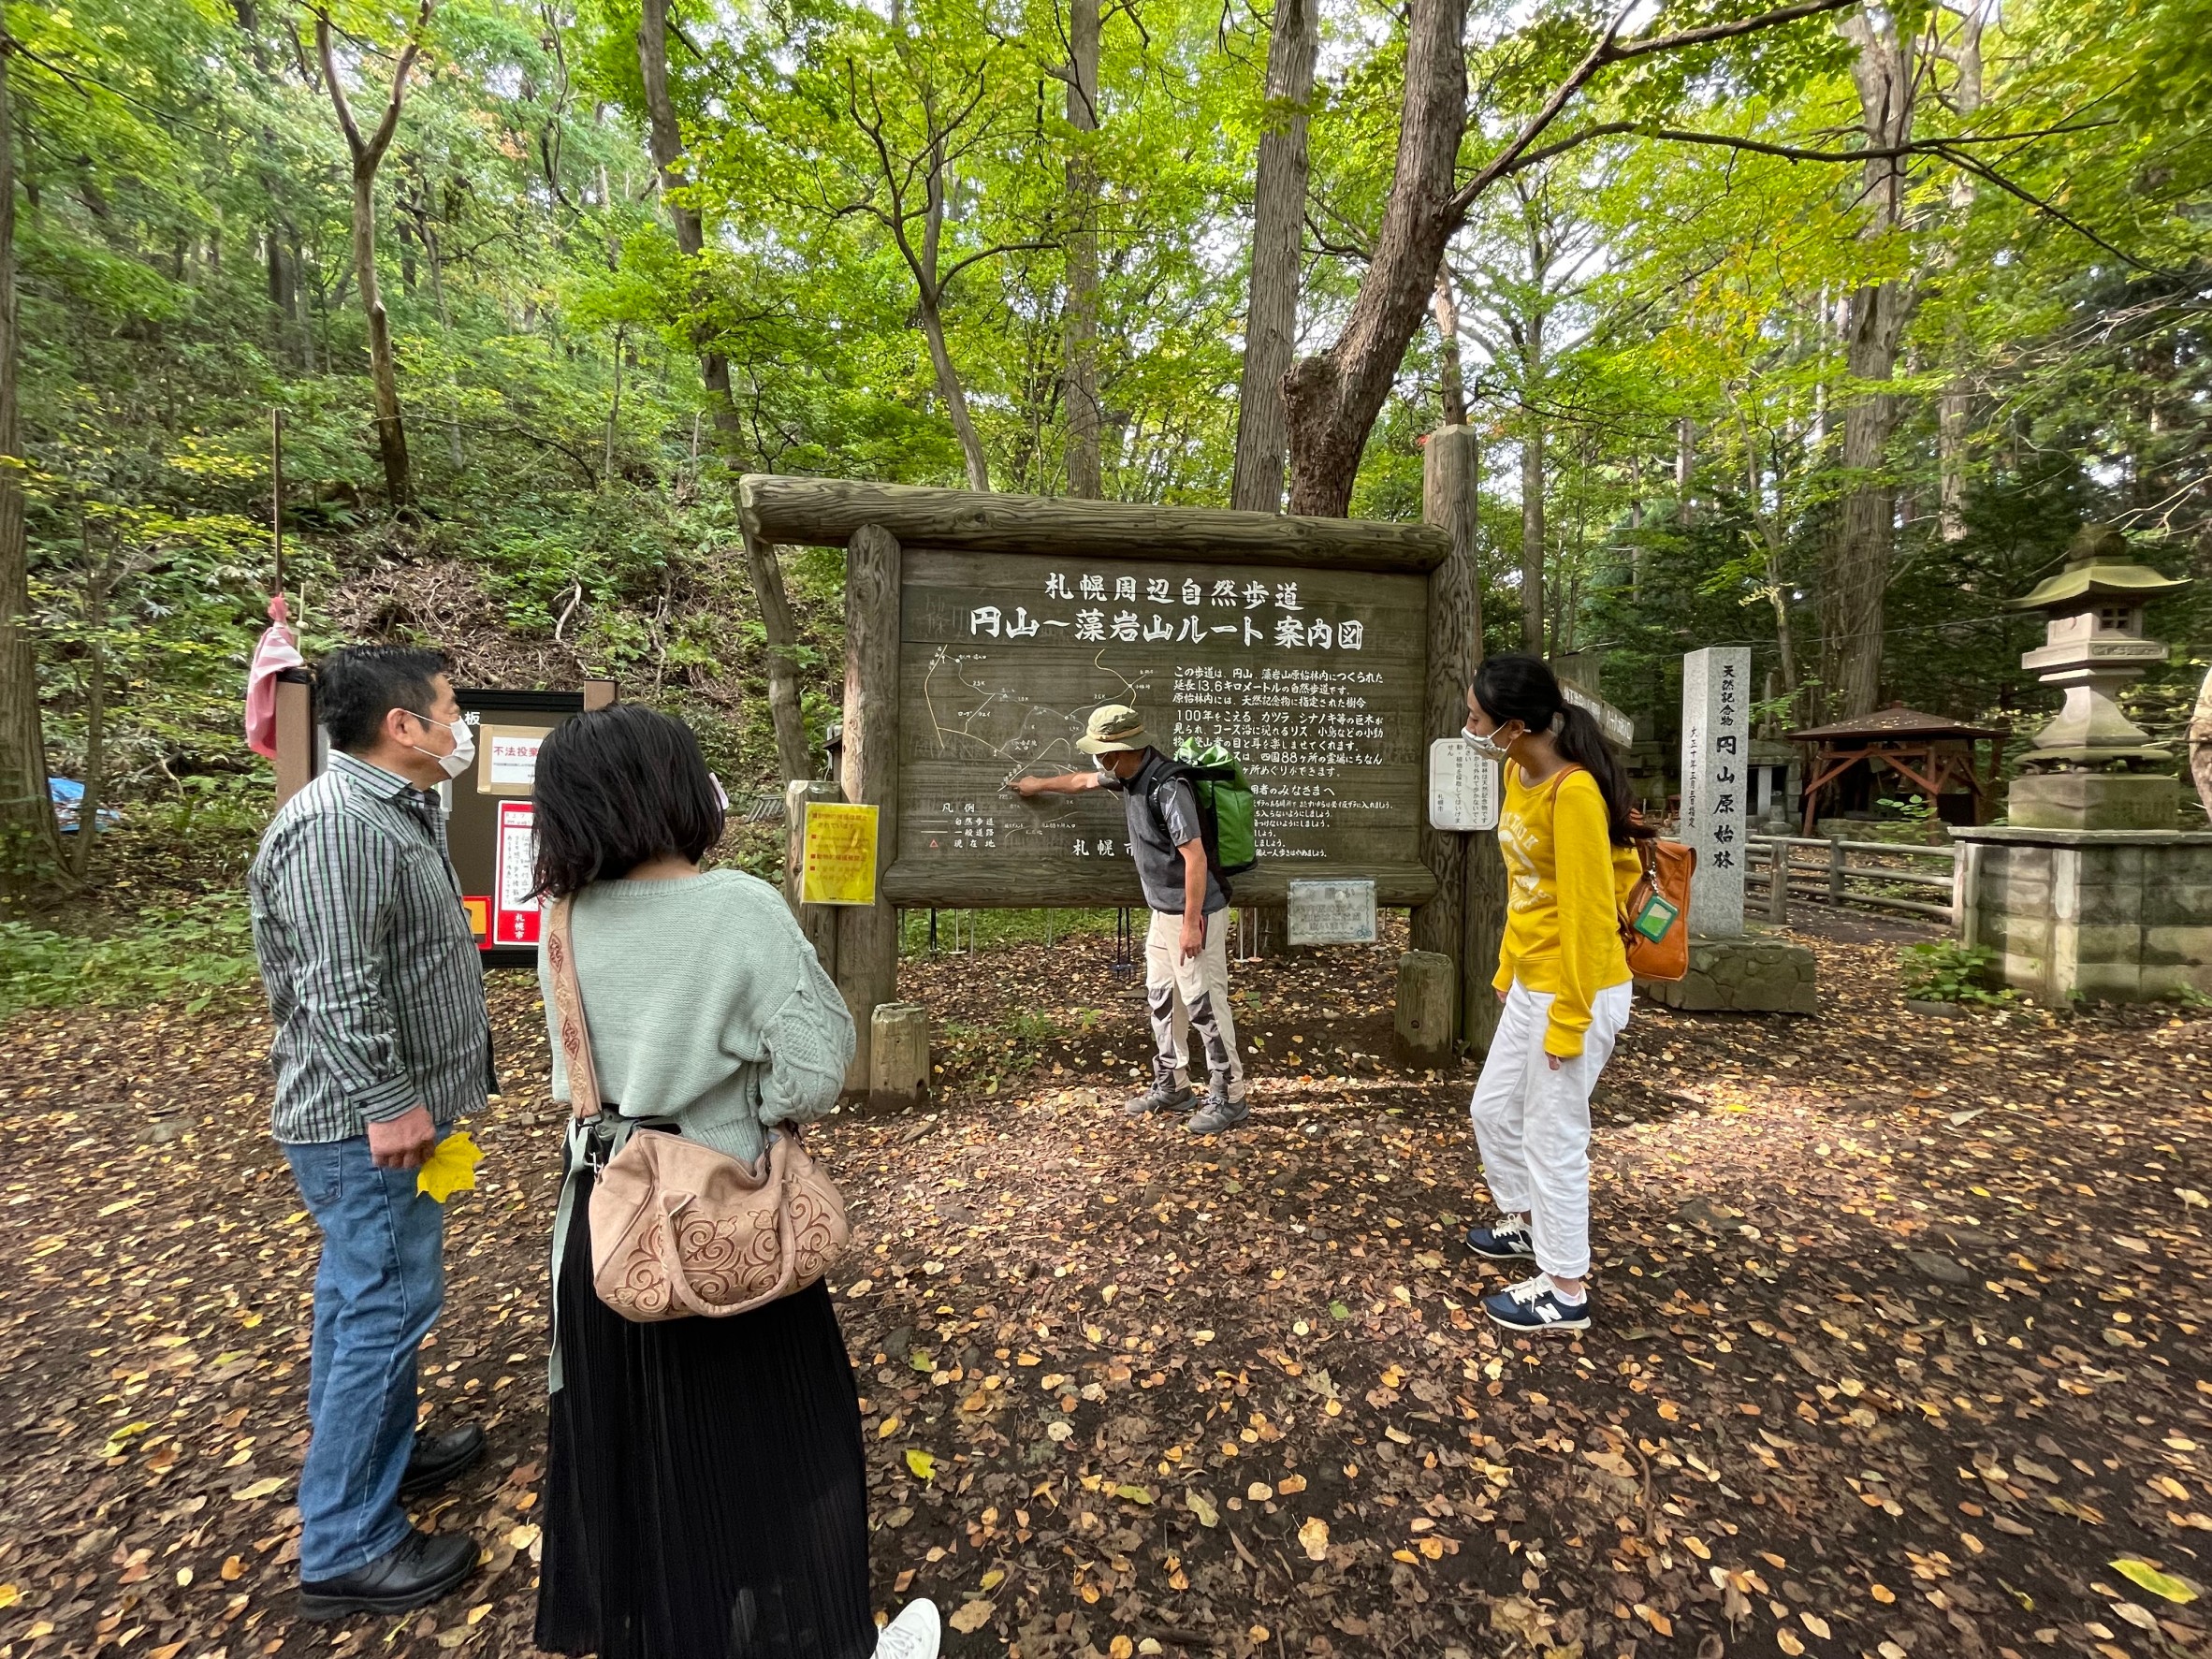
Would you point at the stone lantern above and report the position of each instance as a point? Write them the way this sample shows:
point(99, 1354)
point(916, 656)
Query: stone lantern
point(2092, 768)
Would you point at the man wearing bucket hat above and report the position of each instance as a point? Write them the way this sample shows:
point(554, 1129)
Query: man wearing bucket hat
point(1187, 948)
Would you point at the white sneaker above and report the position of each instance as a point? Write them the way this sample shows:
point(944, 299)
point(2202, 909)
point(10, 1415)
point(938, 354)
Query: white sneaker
point(916, 1633)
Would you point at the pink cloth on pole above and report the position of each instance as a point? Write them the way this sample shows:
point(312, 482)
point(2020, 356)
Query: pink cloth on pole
point(277, 651)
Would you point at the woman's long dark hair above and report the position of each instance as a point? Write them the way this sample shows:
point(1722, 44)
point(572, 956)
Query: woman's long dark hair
point(1525, 688)
point(617, 788)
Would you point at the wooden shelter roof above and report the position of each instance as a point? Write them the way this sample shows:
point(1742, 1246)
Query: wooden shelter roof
point(1897, 724)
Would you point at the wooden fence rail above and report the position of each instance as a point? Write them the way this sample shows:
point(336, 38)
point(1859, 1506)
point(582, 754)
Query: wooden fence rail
point(1831, 876)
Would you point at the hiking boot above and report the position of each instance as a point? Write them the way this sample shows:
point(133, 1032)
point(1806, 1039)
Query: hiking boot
point(1219, 1112)
point(1165, 1094)
point(1535, 1305)
point(421, 1568)
point(1502, 1240)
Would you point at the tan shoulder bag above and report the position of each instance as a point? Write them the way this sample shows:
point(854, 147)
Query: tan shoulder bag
point(678, 1228)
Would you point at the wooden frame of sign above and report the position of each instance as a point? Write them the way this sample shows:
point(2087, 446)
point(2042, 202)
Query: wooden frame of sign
point(982, 629)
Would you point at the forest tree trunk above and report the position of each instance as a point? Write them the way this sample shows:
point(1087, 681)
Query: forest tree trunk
point(1954, 406)
point(1453, 383)
point(30, 846)
point(368, 157)
point(1278, 225)
point(1532, 533)
point(1332, 399)
point(1085, 473)
point(384, 370)
point(794, 755)
point(1859, 550)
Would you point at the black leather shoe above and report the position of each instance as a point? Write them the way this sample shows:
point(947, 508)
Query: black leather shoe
point(438, 1458)
point(414, 1573)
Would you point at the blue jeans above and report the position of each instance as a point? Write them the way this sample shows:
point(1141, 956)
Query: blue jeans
point(378, 1290)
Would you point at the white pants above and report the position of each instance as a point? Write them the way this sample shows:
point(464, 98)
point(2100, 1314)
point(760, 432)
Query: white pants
point(1181, 994)
point(1532, 1122)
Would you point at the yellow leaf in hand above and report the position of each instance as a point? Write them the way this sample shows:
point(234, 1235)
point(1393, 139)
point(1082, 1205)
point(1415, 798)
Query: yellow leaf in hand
point(921, 1462)
point(451, 1169)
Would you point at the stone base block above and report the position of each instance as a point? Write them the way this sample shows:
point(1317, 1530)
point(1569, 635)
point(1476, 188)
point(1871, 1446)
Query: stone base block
point(2094, 801)
point(1755, 974)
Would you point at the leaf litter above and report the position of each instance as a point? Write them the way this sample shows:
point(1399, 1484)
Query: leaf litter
point(1900, 1350)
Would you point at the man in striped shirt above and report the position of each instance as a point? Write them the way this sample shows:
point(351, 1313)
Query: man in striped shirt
point(381, 1041)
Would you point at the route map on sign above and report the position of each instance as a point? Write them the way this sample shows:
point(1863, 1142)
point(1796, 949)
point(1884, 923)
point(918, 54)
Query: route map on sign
point(1312, 679)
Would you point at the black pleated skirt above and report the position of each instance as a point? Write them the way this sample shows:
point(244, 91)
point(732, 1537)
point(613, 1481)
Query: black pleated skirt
point(705, 1497)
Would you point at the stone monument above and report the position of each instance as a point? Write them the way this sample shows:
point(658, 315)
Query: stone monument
point(2089, 890)
point(1730, 967)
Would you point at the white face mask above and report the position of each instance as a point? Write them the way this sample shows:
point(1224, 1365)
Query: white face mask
point(464, 746)
point(721, 795)
point(1486, 747)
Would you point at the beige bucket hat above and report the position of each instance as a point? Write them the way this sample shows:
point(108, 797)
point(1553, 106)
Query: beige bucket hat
point(1113, 726)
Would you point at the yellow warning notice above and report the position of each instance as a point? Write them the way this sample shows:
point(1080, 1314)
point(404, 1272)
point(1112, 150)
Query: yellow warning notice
point(840, 855)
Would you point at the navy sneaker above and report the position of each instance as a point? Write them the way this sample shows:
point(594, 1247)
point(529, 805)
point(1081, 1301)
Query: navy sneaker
point(1504, 1239)
point(1534, 1305)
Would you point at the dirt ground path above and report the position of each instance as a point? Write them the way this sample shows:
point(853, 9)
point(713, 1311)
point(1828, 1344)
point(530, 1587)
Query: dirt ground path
point(1900, 1348)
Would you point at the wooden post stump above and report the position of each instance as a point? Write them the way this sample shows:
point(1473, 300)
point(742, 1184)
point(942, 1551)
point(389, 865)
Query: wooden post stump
point(1427, 1020)
point(898, 1056)
point(1778, 894)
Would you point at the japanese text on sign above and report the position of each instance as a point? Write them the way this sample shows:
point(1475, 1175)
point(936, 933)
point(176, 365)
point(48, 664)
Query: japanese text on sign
point(840, 854)
point(1194, 613)
point(515, 915)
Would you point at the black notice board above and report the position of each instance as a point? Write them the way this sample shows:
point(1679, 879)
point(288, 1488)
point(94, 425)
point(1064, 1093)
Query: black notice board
point(489, 824)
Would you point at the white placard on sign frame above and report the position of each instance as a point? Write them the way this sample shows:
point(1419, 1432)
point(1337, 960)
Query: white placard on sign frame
point(1462, 787)
point(1332, 913)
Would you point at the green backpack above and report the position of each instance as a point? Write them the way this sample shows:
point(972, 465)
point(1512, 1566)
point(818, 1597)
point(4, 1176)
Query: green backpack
point(1224, 803)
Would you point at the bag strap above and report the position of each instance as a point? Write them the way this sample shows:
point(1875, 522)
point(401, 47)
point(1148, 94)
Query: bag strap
point(568, 1012)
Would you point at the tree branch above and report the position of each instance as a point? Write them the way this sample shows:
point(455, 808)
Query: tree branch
point(1608, 50)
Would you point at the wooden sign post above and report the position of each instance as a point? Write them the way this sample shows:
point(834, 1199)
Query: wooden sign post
point(981, 630)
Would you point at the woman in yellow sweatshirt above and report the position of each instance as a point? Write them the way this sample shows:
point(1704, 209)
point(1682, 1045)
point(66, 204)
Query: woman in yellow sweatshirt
point(1568, 836)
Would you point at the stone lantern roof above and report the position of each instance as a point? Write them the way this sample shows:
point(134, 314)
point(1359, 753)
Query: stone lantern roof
point(2097, 567)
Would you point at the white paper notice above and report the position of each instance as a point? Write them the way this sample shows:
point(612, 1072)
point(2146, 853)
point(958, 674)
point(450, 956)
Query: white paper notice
point(511, 759)
point(1462, 787)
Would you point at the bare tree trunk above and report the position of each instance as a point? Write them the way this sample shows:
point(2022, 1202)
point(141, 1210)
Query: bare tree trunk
point(1954, 407)
point(368, 156)
point(1278, 222)
point(1332, 399)
point(1452, 392)
point(1859, 548)
point(1532, 531)
point(614, 411)
point(1685, 467)
point(778, 629)
point(30, 846)
point(931, 297)
point(1086, 475)
point(99, 583)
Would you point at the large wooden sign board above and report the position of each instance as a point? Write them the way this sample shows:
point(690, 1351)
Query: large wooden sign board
point(1313, 678)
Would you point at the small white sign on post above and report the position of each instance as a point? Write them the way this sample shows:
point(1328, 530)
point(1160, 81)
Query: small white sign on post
point(1337, 913)
point(1462, 787)
point(1716, 746)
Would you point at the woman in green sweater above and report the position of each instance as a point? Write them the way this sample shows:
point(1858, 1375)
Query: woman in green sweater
point(706, 1494)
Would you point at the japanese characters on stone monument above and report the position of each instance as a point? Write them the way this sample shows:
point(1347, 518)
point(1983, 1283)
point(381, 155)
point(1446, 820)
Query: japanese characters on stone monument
point(1716, 738)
